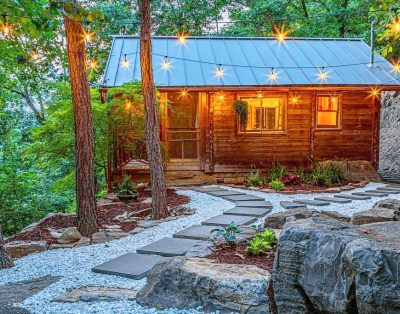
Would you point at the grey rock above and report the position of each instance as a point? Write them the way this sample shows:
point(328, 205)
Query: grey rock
point(69, 235)
point(100, 237)
point(18, 249)
point(192, 283)
point(327, 266)
point(336, 215)
point(96, 294)
point(84, 241)
point(148, 223)
point(385, 210)
point(277, 220)
point(136, 230)
point(54, 246)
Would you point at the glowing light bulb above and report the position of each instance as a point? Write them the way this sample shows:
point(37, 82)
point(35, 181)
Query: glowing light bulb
point(295, 99)
point(260, 94)
point(220, 96)
point(88, 36)
point(272, 75)
point(125, 63)
point(34, 56)
point(280, 37)
point(374, 92)
point(184, 93)
point(166, 65)
point(323, 75)
point(219, 72)
point(182, 38)
point(396, 25)
point(396, 67)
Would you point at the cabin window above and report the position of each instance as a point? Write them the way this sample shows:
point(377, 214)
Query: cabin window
point(265, 114)
point(328, 110)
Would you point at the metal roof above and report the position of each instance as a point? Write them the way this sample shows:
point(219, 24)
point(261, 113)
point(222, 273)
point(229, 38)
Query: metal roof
point(247, 61)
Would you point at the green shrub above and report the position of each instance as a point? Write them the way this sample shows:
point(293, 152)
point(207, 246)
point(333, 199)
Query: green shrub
point(257, 246)
point(229, 233)
point(276, 185)
point(268, 236)
point(327, 174)
point(276, 171)
point(254, 178)
point(126, 187)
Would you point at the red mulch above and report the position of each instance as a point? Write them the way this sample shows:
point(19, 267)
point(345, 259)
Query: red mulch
point(311, 187)
point(226, 254)
point(105, 215)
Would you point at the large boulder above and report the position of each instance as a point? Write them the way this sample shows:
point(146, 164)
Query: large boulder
point(190, 283)
point(18, 249)
point(277, 220)
point(324, 265)
point(385, 210)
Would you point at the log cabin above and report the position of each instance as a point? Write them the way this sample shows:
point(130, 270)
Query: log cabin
point(306, 100)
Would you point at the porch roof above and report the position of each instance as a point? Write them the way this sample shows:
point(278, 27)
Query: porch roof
point(248, 61)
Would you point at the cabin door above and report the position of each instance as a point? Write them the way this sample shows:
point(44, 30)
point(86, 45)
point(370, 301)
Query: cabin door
point(182, 128)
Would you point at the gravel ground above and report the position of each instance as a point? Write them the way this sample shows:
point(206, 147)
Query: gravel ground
point(74, 265)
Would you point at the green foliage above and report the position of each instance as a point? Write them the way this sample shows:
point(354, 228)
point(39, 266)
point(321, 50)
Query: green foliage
point(229, 233)
point(126, 187)
point(261, 242)
point(242, 110)
point(276, 185)
point(255, 178)
point(276, 172)
point(327, 174)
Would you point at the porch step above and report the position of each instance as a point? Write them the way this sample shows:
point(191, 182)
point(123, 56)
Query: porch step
point(248, 211)
point(333, 200)
point(131, 265)
point(169, 247)
point(291, 205)
point(312, 202)
point(353, 197)
point(226, 220)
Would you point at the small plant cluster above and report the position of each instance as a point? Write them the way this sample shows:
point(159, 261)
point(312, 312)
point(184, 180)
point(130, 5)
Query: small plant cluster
point(261, 242)
point(126, 187)
point(324, 174)
point(228, 233)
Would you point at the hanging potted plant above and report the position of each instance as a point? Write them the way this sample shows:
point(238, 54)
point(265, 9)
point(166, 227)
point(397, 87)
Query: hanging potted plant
point(242, 109)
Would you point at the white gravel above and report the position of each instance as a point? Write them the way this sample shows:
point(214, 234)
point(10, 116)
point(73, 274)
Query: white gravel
point(74, 265)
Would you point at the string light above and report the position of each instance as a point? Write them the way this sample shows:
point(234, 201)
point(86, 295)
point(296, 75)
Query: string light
point(219, 72)
point(34, 56)
point(281, 36)
point(323, 75)
point(125, 63)
point(272, 75)
point(374, 92)
point(396, 26)
point(396, 67)
point(220, 96)
point(93, 65)
point(166, 65)
point(6, 28)
point(182, 38)
point(294, 99)
point(184, 93)
point(88, 35)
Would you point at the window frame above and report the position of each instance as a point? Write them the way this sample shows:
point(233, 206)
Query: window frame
point(339, 112)
point(283, 96)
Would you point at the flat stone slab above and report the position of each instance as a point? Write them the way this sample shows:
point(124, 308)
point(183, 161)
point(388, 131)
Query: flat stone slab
point(169, 247)
point(391, 186)
point(243, 198)
point(370, 194)
point(312, 202)
point(248, 211)
point(291, 205)
point(388, 190)
point(206, 190)
point(333, 200)
point(225, 193)
point(264, 204)
point(226, 220)
point(378, 192)
point(96, 294)
point(196, 232)
point(353, 197)
point(131, 265)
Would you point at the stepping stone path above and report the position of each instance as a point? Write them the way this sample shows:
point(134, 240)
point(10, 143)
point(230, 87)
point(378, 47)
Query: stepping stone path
point(333, 200)
point(353, 197)
point(131, 265)
point(291, 205)
point(312, 202)
point(248, 211)
point(226, 220)
point(248, 208)
point(370, 194)
point(169, 247)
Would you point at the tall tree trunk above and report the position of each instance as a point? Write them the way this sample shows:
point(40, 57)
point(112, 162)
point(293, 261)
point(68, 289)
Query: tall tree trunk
point(5, 260)
point(85, 184)
point(158, 187)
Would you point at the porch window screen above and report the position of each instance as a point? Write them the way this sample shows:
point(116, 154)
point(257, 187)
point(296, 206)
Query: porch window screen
point(328, 108)
point(265, 114)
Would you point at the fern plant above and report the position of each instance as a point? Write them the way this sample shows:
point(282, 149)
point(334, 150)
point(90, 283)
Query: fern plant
point(257, 246)
point(254, 179)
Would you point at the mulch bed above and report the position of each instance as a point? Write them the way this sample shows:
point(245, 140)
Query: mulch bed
point(311, 187)
point(225, 254)
point(105, 216)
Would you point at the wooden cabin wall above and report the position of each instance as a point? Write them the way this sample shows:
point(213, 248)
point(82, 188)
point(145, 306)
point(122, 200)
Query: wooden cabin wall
point(240, 152)
point(353, 141)
point(302, 142)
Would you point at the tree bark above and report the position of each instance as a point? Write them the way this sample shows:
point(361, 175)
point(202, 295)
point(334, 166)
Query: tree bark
point(153, 146)
point(5, 260)
point(85, 183)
